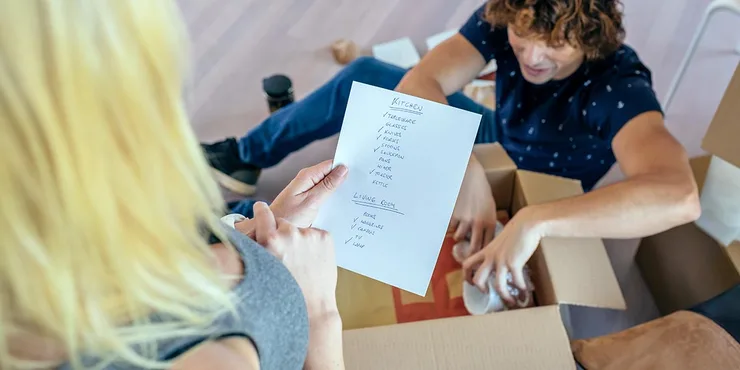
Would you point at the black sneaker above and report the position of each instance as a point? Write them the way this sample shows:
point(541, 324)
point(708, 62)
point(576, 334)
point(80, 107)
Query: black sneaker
point(229, 170)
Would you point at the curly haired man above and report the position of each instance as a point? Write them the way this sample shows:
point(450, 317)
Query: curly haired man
point(571, 100)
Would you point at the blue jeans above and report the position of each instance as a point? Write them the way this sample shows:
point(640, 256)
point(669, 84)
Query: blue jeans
point(321, 113)
point(724, 310)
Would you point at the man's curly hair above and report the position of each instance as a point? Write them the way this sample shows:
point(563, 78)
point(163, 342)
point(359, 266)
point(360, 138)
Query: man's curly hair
point(593, 26)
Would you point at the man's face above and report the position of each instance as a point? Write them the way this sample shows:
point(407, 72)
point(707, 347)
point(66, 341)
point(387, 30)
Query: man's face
point(541, 63)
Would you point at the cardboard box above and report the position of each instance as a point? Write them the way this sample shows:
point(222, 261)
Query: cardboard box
point(565, 271)
point(722, 136)
point(720, 218)
point(720, 202)
point(684, 266)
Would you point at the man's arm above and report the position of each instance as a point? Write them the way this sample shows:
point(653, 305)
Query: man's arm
point(659, 191)
point(444, 70)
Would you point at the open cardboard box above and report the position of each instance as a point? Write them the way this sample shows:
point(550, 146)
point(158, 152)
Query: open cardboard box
point(684, 266)
point(564, 271)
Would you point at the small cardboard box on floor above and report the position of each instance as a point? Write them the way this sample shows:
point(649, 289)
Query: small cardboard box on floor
point(692, 263)
point(564, 271)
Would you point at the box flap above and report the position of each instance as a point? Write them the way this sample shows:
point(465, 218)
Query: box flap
point(500, 170)
point(364, 302)
point(724, 131)
point(532, 338)
point(720, 202)
point(581, 273)
point(700, 167)
point(683, 267)
point(579, 268)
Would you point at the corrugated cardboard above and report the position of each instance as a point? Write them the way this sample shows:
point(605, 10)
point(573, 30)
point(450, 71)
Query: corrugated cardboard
point(722, 137)
point(578, 268)
point(524, 339)
point(734, 251)
point(720, 202)
point(565, 271)
point(700, 167)
point(684, 266)
point(500, 170)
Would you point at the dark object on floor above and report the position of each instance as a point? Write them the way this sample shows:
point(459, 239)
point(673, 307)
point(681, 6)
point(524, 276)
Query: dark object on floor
point(278, 91)
point(229, 170)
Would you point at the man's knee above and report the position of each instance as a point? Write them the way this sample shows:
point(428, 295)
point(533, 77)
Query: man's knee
point(364, 64)
point(374, 72)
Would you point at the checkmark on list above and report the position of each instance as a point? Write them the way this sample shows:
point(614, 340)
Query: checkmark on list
point(371, 171)
point(378, 138)
point(353, 226)
point(356, 218)
point(349, 240)
point(381, 129)
point(376, 149)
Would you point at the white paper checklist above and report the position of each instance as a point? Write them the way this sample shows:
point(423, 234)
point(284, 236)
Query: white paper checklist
point(406, 158)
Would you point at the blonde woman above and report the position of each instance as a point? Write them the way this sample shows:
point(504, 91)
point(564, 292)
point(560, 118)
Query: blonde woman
point(104, 196)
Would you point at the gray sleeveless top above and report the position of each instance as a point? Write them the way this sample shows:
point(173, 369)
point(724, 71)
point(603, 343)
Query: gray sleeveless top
point(271, 313)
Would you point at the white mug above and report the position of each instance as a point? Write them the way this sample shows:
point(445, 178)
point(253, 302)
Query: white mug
point(479, 303)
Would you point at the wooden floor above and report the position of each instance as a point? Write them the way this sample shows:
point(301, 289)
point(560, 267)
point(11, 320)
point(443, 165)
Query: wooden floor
point(238, 42)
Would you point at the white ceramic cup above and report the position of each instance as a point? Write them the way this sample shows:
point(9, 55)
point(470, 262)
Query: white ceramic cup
point(232, 218)
point(479, 303)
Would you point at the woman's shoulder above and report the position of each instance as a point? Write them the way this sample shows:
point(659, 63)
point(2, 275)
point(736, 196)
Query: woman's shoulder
point(229, 262)
point(226, 354)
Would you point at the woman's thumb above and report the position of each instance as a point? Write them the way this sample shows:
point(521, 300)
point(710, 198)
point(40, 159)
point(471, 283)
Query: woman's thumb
point(265, 225)
point(330, 183)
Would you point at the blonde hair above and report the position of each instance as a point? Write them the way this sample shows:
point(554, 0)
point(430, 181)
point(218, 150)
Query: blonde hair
point(104, 187)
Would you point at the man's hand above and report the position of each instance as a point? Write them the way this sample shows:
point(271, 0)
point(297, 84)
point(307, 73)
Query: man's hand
point(475, 210)
point(509, 252)
point(299, 202)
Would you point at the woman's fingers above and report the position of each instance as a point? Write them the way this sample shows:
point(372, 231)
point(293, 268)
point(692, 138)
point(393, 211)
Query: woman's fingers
point(265, 225)
point(309, 177)
point(328, 184)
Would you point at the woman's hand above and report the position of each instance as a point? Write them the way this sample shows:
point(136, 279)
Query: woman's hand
point(300, 201)
point(507, 253)
point(307, 253)
point(474, 215)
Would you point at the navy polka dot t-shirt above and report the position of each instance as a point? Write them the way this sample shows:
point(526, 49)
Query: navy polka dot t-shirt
point(563, 127)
